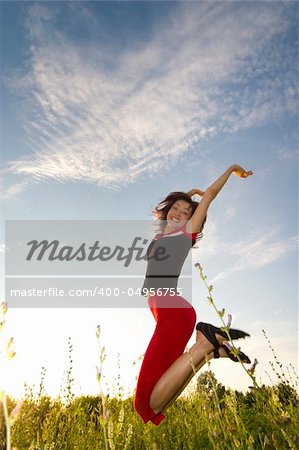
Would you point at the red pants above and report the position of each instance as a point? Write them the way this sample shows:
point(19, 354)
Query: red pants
point(175, 322)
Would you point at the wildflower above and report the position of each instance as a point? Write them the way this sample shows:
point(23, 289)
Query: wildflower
point(98, 374)
point(229, 320)
point(110, 435)
point(222, 312)
point(266, 441)
point(11, 355)
point(14, 413)
point(102, 354)
point(129, 435)
point(210, 300)
point(295, 438)
point(98, 331)
point(284, 419)
point(197, 266)
point(4, 307)
point(130, 431)
point(121, 418)
point(252, 368)
point(235, 351)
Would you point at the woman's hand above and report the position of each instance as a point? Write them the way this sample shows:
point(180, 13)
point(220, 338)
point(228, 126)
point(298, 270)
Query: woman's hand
point(195, 191)
point(240, 172)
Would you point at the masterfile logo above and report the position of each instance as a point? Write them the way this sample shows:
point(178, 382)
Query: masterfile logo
point(54, 251)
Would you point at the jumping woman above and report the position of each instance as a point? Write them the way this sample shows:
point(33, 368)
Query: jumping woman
point(166, 369)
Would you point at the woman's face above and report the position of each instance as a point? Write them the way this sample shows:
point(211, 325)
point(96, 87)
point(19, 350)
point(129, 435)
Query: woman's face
point(178, 214)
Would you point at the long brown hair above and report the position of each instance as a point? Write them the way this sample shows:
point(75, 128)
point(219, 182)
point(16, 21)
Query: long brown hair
point(161, 210)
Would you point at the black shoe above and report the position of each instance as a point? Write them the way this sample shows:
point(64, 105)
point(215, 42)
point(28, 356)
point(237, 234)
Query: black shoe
point(209, 331)
point(229, 351)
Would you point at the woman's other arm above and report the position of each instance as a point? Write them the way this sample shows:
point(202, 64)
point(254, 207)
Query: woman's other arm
point(195, 223)
point(195, 191)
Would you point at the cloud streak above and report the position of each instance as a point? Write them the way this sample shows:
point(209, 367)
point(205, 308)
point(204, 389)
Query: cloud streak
point(252, 253)
point(109, 118)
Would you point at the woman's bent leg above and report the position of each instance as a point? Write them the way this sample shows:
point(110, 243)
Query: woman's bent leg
point(173, 330)
point(178, 375)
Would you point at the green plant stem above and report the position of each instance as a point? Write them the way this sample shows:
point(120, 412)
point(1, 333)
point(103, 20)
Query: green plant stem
point(104, 412)
point(217, 404)
point(7, 421)
point(225, 328)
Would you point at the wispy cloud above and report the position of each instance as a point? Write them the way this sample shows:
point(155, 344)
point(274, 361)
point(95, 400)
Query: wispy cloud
point(252, 253)
point(108, 115)
point(13, 190)
point(288, 155)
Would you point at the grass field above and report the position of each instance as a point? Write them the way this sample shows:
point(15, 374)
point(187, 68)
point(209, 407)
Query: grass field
point(212, 417)
point(209, 417)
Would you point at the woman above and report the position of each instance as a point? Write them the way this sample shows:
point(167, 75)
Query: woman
point(166, 369)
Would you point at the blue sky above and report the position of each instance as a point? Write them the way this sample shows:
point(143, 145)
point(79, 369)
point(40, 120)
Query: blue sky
point(106, 107)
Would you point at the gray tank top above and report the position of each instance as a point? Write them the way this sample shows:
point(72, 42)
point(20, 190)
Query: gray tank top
point(166, 255)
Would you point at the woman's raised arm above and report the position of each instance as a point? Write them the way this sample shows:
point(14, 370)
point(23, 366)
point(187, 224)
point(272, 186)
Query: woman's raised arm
point(195, 223)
